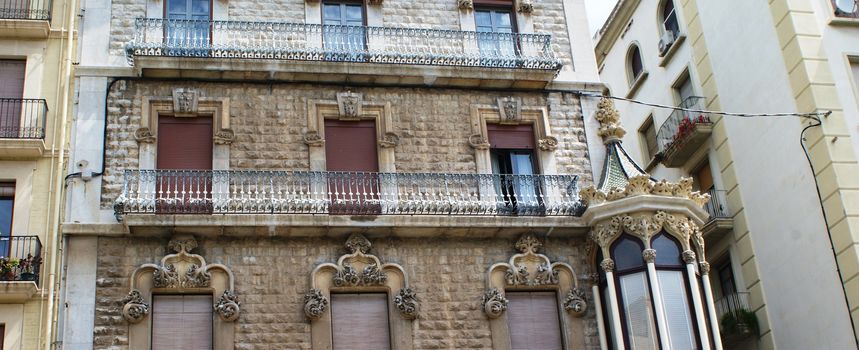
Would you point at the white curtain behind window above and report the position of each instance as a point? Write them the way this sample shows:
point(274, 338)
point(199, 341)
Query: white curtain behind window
point(638, 311)
point(676, 307)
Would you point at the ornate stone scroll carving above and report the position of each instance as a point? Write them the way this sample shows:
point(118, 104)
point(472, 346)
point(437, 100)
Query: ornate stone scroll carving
point(314, 304)
point(407, 302)
point(478, 141)
point(228, 306)
point(610, 129)
point(134, 308)
point(644, 226)
point(185, 101)
point(465, 4)
point(548, 143)
point(144, 135)
point(390, 140)
point(224, 137)
point(526, 6)
point(576, 303)
point(510, 110)
point(643, 185)
point(313, 139)
point(494, 303)
point(349, 104)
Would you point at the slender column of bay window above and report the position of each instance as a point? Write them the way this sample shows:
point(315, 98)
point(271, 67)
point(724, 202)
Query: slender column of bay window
point(595, 289)
point(649, 256)
point(608, 266)
point(689, 258)
point(711, 307)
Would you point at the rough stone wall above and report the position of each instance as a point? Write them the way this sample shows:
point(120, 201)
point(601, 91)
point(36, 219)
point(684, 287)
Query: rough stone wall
point(548, 17)
point(421, 14)
point(267, 10)
point(270, 120)
point(272, 275)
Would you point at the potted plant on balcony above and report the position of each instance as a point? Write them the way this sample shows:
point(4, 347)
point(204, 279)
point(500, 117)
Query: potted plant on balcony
point(738, 324)
point(28, 267)
point(8, 269)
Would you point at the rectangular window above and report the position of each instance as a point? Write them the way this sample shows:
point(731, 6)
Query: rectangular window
point(2, 334)
point(360, 321)
point(495, 26)
point(854, 67)
point(7, 206)
point(188, 28)
point(533, 321)
point(512, 155)
point(351, 151)
point(184, 144)
point(11, 95)
point(182, 322)
point(704, 177)
point(638, 312)
point(647, 134)
point(684, 89)
point(344, 28)
point(725, 271)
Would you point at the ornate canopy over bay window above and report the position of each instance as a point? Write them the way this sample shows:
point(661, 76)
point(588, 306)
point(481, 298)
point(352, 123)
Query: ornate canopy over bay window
point(653, 283)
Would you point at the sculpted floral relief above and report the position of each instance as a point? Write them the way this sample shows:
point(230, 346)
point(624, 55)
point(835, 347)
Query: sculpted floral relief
point(494, 303)
point(643, 185)
point(407, 303)
point(314, 304)
point(134, 308)
point(228, 306)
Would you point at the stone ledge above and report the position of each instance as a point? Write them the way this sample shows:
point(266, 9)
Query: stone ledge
point(21, 148)
point(17, 291)
point(24, 28)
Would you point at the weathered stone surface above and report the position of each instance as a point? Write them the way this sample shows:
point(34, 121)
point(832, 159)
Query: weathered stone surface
point(272, 277)
point(269, 121)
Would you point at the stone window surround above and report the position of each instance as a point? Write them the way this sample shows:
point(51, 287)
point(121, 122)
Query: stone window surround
point(530, 271)
point(538, 116)
point(187, 274)
point(216, 108)
point(319, 110)
point(360, 272)
point(522, 11)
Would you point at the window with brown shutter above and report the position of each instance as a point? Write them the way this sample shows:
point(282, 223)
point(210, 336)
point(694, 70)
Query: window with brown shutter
point(647, 133)
point(533, 321)
point(350, 148)
point(181, 322)
point(704, 177)
point(11, 94)
point(360, 321)
point(184, 144)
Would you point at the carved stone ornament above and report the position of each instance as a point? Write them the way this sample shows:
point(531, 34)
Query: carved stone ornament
point(575, 302)
point(134, 308)
point(704, 267)
point(144, 135)
point(390, 140)
point(224, 137)
point(526, 6)
point(644, 226)
point(649, 255)
point(478, 142)
point(610, 129)
point(529, 268)
point(370, 271)
point(607, 265)
point(688, 256)
point(314, 304)
point(349, 104)
point(643, 185)
point(465, 4)
point(183, 269)
point(510, 110)
point(357, 243)
point(407, 302)
point(494, 303)
point(228, 306)
point(185, 101)
point(313, 139)
point(548, 143)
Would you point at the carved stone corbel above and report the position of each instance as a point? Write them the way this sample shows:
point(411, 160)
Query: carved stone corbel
point(228, 306)
point(548, 143)
point(407, 302)
point(349, 105)
point(575, 302)
point(224, 137)
point(312, 139)
point(510, 110)
point(144, 135)
point(526, 6)
point(314, 304)
point(494, 303)
point(465, 4)
point(390, 140)
point(478, 142)
point(134, 308)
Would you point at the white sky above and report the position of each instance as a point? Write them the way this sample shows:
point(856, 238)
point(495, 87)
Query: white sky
point(598, 11)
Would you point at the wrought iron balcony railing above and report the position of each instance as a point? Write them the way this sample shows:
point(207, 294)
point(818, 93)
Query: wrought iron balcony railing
point(22, 118)
point(346, 193)
point(20, 258)
point(316, 42)
point(25, 9)
point(732, 303)
point(846, 8)
point(681, 123)
point(717, 207)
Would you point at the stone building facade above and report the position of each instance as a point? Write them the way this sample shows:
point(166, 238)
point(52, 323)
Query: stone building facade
point(400, 173)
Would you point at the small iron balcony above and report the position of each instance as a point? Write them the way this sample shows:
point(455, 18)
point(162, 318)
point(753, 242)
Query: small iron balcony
point(720, 222)
point(346, 193)
point(335, 43)
point(20, 258)
point(683, 133)
point(25, 9)
point(22, 118)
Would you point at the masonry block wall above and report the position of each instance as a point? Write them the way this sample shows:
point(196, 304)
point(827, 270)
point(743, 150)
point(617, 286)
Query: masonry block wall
point(272, 275)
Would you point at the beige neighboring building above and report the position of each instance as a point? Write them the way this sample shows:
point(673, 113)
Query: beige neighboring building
point(35, 102)
point(775, 253)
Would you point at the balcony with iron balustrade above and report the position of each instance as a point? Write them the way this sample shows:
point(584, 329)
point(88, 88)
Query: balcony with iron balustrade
point(25, 18)
point(335, 53)
point(720, 222)
point(684, 133)
point(296, 203)
point(22, 127)
point(20, 263)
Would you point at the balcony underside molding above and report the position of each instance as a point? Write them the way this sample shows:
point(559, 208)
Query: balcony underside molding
point(291, 225)
point(17, 291)
point(339, 72)
point(21, 148)
point(24, 28)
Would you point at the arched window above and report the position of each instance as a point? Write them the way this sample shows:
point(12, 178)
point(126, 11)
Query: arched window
point(668, 16)
point(674, 292)
point(633, 293)
point(634, 63)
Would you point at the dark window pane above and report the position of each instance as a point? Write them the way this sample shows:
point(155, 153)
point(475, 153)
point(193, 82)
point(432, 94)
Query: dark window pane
point(176, 7)
point(331, 12)
point(667, 250)
point(6, 205)
point(354, 12)
point(635, 62)
point(200, 7)
point(627, 254)
point(483, 19)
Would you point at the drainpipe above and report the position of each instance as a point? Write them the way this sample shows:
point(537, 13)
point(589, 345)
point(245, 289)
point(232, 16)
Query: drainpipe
point(58, 185)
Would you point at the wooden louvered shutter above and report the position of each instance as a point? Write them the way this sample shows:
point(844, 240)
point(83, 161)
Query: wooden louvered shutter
point(182, 322)
point(351, 146)
point(511, 136)
point(184, 143)
point(360, 321)
point(11, 91)
point(533, 321)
